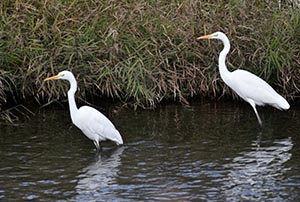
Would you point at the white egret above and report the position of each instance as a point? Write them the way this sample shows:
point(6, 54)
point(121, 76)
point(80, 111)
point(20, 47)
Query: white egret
point(248, 86)
point(90, 121)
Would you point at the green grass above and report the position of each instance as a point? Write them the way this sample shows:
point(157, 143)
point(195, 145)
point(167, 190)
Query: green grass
point(142, 52)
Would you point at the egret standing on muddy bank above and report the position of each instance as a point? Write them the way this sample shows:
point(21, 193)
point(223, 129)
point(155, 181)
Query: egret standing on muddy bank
point(90, 121)
point(248, 86)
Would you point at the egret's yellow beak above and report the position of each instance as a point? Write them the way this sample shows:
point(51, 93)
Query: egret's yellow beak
point(52, 78)
point(205, 37)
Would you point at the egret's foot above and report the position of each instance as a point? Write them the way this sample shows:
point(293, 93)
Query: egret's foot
point(96, 143)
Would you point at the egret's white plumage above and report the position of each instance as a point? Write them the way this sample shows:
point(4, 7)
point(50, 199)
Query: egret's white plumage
point(90, 121)
point(248, 86)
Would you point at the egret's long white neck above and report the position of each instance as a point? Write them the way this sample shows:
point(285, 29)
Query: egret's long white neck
point(71, 97)
point(222, 59)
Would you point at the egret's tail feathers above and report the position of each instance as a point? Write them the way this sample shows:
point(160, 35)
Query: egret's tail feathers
point(118, 138)
point(282, 104)
point(285, 105)
point(112, 134)
point(119, 142)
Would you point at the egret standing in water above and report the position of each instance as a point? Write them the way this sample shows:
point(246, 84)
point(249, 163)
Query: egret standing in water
point(248, 86)
point(90, 121)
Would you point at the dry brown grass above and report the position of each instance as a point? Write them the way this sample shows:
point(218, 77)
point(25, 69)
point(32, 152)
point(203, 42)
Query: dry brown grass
point(142, 52)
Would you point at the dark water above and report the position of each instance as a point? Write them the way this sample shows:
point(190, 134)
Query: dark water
point(209, 151)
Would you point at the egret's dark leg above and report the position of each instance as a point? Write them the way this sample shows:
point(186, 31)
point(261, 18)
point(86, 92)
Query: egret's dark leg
point(97, 145)
point(257, 115)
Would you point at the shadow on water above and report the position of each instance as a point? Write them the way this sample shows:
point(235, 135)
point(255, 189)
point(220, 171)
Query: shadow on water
point(209, 151)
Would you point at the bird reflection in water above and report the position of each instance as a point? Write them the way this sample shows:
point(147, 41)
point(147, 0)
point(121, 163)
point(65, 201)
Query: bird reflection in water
point(97, 176)
point(254, 174)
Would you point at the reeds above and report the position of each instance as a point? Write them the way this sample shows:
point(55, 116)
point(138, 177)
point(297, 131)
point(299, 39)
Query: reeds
point(142, 52)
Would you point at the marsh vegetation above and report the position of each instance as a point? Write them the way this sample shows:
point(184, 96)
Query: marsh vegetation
point(142, 52)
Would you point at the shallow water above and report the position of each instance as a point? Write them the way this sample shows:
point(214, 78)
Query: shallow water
point(209, 151)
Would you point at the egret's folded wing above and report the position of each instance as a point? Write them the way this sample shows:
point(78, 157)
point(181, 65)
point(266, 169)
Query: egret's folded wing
point(106, 132)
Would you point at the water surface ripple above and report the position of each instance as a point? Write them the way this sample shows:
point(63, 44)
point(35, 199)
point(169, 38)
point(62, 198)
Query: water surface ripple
point(209, 152)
